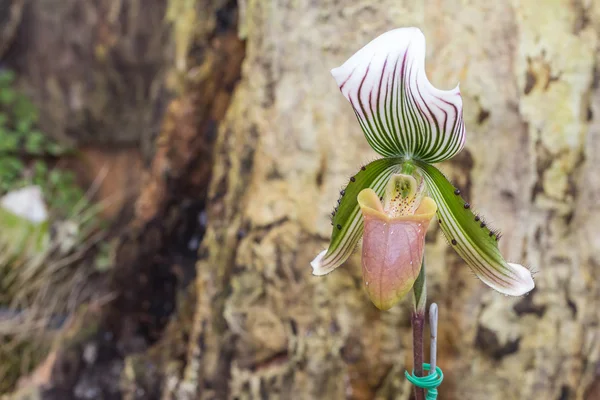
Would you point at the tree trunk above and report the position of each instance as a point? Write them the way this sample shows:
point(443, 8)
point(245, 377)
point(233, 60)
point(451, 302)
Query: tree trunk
point(257, 324)
point(264, 327)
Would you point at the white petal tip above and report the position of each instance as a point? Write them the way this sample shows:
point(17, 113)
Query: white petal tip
point(523, 281)
point(387, 41)
point(317, 266)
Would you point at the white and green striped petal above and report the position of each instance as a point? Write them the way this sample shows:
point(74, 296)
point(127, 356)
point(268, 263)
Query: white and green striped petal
point(347, 219)
point(400, 112)
point(472, 238)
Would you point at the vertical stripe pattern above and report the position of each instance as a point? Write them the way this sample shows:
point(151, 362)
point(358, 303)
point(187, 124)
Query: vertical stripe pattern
point(400, 112)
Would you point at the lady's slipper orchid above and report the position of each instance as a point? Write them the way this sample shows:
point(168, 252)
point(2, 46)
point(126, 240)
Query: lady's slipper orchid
point(412, 124)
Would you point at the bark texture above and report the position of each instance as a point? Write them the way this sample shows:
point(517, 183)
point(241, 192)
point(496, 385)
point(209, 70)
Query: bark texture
point(265, 328)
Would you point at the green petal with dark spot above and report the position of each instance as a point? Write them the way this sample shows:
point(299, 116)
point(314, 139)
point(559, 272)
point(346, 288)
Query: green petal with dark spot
point(471, 238)
point(348, 221)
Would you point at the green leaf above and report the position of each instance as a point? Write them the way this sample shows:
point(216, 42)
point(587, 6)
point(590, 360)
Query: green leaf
point(55, 177)
point(55, 149)
point(420, 291)
point(347, 219)
point(34, 142)
point(7, 96)
point(9, 142)
point(472, 238)
point(23, 126)
point(13, 164)
point(40, 170)
point(24, 110)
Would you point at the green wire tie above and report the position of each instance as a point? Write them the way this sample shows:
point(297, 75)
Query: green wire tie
point(427, 382)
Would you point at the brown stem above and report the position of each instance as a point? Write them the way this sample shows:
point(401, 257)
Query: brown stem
point(418, 324)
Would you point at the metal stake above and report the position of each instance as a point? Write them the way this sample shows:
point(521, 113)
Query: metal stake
point(433, 323)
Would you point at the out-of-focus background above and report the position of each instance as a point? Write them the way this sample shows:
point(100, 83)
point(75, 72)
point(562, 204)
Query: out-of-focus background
point(167, 168)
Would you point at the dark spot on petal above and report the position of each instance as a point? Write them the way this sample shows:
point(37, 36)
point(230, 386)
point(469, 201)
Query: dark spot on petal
point(491, 234)
point(381, 198)
point(353, 179)
point(339, 226)
point(343, 192)
point(339, 201)
point(454, 242)
point(482, 225)
point(363, 168)
point(457, 191)
point(467, 206)
point(477, 218)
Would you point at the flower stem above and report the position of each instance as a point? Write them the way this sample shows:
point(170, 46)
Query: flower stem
point(418, 325)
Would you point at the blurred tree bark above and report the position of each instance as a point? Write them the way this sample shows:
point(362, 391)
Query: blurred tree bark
point(93, 68)
point(258, 325)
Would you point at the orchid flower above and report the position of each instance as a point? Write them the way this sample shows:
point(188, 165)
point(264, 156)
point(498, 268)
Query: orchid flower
point(391, 201)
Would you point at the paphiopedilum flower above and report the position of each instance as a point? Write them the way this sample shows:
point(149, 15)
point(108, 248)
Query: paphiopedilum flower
point(412, 125)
